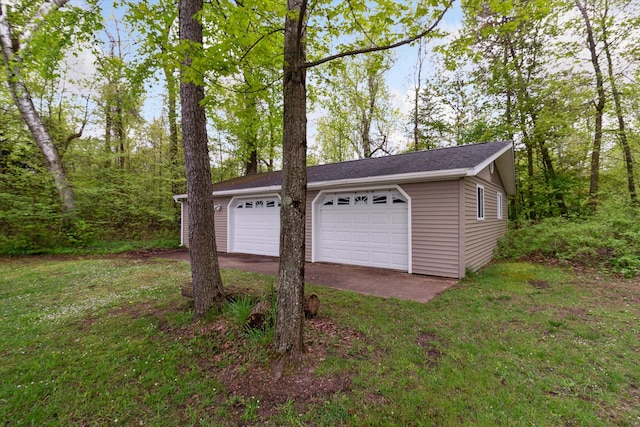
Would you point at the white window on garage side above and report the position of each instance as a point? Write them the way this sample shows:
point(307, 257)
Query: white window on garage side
point(499, 205)
point(480, 202)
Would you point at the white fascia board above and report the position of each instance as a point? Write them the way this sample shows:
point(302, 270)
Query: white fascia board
point(505, 165)
point(475, 171)
point(248, 191)
point(390, 179)
point(178, 197)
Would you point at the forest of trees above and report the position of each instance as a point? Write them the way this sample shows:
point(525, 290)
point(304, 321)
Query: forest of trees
point(559, 78)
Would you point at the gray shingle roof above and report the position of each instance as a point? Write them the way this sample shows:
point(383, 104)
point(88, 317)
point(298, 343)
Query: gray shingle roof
point(439, 160)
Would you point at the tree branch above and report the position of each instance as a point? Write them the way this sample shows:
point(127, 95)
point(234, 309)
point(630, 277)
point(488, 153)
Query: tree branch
point(45, 8)
point(301, 27)
point(81, 131)
point(379, 48)
point(355, 19)
point(262, 37)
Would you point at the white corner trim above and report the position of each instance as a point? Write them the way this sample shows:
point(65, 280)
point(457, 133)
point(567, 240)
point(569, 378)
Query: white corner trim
point(314, 224)
point(181, 223)
point(409, 230)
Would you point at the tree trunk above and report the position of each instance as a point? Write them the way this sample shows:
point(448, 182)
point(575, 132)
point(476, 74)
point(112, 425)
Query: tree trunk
point(288, 340)
point(372, 94)
point(258, 315)
point(416, 99)
point(251, 132)
point(205, 272)
point(173, 128)
point(120, 132)
point(622, 132)
point(290, 290)
point(311, 306)
point(524, 99)
point(108, 125)
point(599, 106)
point(22, 99)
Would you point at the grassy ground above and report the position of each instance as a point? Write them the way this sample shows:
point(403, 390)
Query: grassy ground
point(111, 342)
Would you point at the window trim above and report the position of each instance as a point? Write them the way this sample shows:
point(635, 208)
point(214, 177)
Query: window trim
point(499, 204)
point(480, 205)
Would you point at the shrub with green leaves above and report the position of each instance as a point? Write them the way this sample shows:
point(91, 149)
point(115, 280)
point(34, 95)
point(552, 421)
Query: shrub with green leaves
point(609, 240)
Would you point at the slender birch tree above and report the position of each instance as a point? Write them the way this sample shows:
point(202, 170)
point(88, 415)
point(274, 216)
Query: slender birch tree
point(13, 42)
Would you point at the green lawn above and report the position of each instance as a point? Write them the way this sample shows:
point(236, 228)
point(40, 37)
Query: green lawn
point(110, 342)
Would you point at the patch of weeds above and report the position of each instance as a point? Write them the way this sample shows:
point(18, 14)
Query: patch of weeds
point(251, 407)
point(586, 332)
point(555, 323)
point(288, 415)
point(332, 413)
point(539, 284)
point(239, 310)
point(260, 337)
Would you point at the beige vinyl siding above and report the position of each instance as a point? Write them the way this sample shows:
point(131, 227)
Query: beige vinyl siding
point(221, 221)
point(481, 236)
point(308, 229)
point(435, 228)
point(184, 226)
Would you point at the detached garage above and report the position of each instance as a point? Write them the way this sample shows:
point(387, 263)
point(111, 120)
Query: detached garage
point(435, 212)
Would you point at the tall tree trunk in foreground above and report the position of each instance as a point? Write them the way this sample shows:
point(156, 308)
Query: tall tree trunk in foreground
point(13, 67)
point(205, 271)
point(289, 344)
point(599, 106)
point(290, 290)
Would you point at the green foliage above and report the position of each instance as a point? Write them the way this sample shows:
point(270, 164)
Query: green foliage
point(112, 203)
point(361, 117)
point(609, 240)
point(239, 310)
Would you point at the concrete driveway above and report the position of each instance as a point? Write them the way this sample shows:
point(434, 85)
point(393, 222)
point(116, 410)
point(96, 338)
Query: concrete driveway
point(365, 280)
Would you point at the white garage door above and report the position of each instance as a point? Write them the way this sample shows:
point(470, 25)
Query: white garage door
point(255, 226)
point(367, 228)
